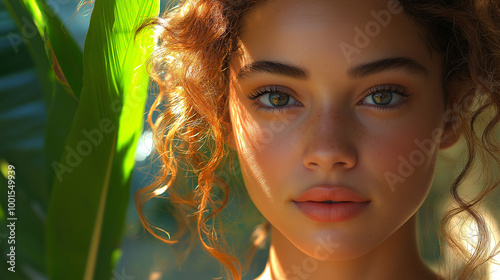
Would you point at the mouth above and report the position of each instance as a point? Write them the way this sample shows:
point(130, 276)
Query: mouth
point(330, 194)
point(329, 204)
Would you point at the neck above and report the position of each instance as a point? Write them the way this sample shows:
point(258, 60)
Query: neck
point(397, 257)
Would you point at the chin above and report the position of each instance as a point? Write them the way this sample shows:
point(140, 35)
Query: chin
point(344, 251)
point(333, 244)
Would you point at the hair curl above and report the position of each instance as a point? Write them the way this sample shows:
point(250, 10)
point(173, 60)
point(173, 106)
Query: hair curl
point(191, 68)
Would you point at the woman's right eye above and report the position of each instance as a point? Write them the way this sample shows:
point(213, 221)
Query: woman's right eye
point(272, 98)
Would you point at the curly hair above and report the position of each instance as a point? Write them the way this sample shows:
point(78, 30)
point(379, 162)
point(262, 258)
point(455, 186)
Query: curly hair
point(190, 66)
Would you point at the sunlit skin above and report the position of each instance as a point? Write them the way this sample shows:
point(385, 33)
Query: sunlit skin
point(331, 132)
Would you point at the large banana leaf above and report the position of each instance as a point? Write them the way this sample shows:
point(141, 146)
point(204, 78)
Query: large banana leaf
point(90, 193)
point(61, 55)
point(24, 76)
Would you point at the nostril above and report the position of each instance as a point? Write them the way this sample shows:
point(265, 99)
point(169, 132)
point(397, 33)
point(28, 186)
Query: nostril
point(329, 157)
point(316, 165)
point(312, 165)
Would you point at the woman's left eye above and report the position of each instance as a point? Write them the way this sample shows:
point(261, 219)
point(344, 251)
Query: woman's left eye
point(385, 95)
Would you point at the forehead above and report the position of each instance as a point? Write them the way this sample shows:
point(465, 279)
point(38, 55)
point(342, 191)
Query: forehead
point(329, 33)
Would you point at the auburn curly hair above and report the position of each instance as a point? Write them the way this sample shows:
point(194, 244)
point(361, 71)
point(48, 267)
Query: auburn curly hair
point(190, 66)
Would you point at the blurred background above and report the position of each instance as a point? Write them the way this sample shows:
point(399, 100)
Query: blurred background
point(23, 117)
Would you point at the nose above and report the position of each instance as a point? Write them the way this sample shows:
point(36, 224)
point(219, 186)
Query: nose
point(328, 143)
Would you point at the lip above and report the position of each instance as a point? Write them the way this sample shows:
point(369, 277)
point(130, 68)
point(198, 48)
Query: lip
point(314, 204)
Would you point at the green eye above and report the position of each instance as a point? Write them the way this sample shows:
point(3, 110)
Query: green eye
point(274, 97)
point(278, 99)
point(385, 96)
point(382, 98)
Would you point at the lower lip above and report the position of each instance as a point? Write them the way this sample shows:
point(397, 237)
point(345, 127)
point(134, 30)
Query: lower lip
point(331, 213)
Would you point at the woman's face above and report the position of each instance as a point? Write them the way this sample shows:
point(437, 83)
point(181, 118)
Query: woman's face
point(340, 101)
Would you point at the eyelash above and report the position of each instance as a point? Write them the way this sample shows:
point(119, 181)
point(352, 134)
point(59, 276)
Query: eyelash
point(380, 88)
point(384, 88)
point(268, 90)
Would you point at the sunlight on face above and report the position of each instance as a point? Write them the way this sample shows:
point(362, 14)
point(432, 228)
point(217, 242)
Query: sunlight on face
point(246, 129)
point(314, 103)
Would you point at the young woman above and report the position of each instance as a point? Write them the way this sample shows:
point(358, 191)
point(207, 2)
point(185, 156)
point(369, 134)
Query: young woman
point(337, 111)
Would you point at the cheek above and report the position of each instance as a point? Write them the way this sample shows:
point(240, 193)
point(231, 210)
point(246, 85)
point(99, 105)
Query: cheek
point(267, 153)
point(404, 161)
point(257, 150)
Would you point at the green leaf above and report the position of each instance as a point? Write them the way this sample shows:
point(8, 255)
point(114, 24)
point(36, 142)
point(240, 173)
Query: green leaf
point(61, 105)
point(22, 118)
point(60, 115)
point(28, 36)
point(90, 194)
point(61, 49)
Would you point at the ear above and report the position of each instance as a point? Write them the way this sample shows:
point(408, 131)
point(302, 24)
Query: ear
point(451, 135)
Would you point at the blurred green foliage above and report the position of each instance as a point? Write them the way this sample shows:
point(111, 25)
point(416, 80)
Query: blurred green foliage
point(75, 204)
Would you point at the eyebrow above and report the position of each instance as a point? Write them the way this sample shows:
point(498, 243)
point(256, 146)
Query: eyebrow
point(358, 71)
point(385, 64)
point(273, 67)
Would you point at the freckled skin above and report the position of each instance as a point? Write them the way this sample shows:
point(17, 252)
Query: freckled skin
point(330, 138)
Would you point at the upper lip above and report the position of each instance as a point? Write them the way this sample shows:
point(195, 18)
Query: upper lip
point(322, 193)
